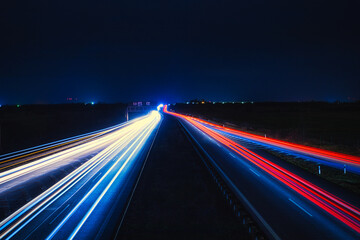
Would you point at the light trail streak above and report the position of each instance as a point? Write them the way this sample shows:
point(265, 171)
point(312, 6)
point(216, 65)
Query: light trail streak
point(58, 157)
point(316, 152)
point(32, 150)
point(140, 139)
point(123, 145)
point(44, 150)
point(108, 136)
point(64, 185)
point(341, 210)
point(138, 143)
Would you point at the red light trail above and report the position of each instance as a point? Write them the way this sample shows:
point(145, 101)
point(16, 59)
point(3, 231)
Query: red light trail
point(333, 205)
point(344, 158)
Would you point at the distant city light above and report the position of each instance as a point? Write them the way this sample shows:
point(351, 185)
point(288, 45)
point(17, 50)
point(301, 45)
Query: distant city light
point(71, 99)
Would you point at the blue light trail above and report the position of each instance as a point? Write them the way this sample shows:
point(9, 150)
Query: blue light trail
point(79, 205)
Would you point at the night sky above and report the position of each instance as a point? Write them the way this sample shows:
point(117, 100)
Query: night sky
point(119, 51)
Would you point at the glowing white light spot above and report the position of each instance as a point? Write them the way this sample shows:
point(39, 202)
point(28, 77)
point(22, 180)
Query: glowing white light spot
point(160, 106)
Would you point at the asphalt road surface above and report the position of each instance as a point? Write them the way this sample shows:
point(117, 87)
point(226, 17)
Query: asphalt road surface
point(86, 203)
point(145, 180)
point(286, 205)
point(176, 198)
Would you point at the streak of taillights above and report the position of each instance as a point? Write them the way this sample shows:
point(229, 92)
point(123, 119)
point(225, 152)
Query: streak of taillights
point(338, 157)
point(333, 205)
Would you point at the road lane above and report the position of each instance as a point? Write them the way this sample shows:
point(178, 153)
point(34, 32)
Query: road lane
point(274, 194)
point(176, 197)
point(80, 204)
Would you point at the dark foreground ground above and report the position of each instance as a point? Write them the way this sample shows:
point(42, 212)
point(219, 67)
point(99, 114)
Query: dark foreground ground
point(176, 198)
point(31, 125)
point(332, 126)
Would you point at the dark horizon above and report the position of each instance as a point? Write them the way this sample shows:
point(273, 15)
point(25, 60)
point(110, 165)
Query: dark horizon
point(177, 51)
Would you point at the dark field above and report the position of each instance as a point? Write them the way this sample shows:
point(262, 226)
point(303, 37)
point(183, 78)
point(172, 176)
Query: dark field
point(332, 126)
point(31, 125)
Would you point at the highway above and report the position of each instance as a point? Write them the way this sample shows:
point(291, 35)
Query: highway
point(93, 176)
point(80, 187)
point(287, 204)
